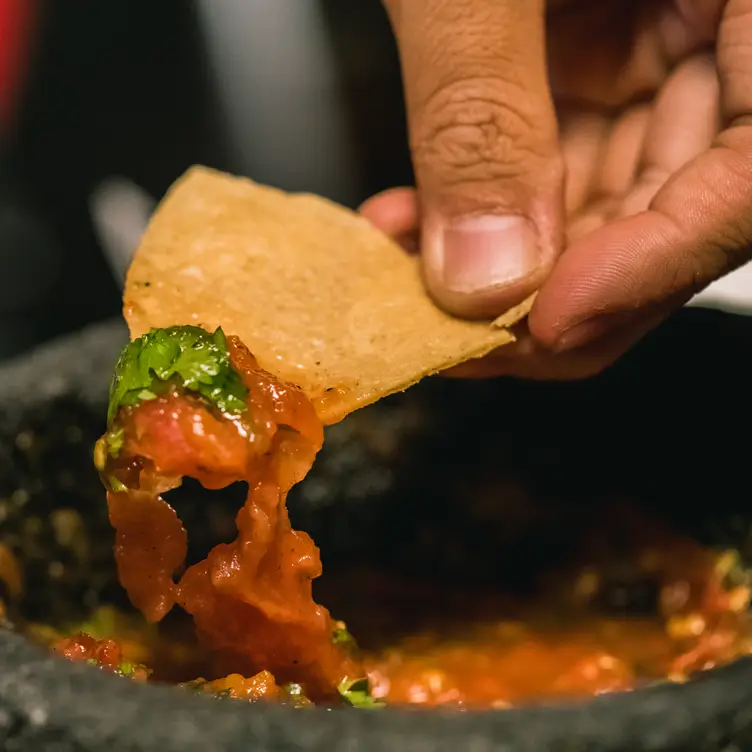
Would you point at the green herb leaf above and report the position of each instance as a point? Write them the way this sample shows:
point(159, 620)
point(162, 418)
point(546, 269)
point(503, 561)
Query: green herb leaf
point(113, 484)
point(340, 636)
point(197, 360)
point(115, 439)
point(108, 445)
point(357, 692)
point(133, 670)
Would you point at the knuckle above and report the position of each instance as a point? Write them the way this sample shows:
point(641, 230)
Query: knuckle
point(469, 130)
point(721, 253)
point(690, 275)
point(728, 244)
point(717, 229)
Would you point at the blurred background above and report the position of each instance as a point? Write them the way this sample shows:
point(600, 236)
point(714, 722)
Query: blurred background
point(104, 104)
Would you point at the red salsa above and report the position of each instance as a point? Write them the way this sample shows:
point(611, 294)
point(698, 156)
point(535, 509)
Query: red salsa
point(252, 605)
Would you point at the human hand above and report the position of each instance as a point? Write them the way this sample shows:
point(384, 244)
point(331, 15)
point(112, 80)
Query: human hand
point(618, 181)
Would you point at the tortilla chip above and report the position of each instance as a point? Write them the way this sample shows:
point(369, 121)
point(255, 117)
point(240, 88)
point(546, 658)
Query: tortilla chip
point(320, 297)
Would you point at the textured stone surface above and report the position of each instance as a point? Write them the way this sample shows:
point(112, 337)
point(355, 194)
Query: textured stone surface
point(654, 430)
point(79, 364)
point(47, 704)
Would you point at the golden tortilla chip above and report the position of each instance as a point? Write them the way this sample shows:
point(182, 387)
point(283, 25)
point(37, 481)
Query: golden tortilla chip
point(320, 297)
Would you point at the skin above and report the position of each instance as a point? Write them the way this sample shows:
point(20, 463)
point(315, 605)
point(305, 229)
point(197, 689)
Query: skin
point(599, 151)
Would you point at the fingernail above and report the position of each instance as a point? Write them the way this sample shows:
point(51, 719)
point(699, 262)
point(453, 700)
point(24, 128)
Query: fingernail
point(585, 332)
point(491, 251)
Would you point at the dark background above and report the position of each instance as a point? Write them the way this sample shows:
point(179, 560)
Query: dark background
point(123, 89)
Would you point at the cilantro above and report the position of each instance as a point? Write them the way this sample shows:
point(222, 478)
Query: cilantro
point(340, 636)
point(110, 444)
point(115, 438)
point(135, 671)
point(197, 360)
point(111, 483)
point(357, 693)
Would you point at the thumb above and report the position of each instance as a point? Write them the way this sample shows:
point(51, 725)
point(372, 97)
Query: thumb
point(484, 144)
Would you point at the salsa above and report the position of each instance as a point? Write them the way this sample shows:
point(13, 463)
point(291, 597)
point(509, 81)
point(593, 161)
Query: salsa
point(205, 409)
point(251, 599)
point(484, 650)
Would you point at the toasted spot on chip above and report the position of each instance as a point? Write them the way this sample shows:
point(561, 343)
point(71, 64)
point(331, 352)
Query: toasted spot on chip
point(321, 297)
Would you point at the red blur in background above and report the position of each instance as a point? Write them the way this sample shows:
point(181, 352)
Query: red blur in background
point(16, 18)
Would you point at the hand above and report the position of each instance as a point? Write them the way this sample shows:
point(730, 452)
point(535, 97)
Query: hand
point(616, 177)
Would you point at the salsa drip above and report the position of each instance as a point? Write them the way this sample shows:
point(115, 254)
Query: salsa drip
point(251, 600)
point(186, 402)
